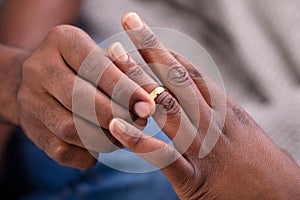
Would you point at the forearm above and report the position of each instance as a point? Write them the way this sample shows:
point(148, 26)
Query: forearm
point(23, 25)
point(10, 78)
point(26, 23)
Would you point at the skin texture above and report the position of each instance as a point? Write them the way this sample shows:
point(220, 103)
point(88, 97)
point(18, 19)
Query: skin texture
point(40, 72)
point(241, 166)
point(10, 76)
point(23, 25)
point(47, 92)
point(244, 163)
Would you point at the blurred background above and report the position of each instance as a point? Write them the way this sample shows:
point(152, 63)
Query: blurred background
point(254, 43)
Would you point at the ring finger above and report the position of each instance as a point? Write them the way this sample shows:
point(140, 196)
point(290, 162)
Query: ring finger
point(169, 115)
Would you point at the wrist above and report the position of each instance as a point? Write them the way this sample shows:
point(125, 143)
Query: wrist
point(10, 77)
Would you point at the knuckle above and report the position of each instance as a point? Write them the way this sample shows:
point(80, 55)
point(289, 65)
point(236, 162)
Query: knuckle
point(61, 153)
point(135, 141)
point(60, 30)
point(66, 36)
point(94, 65)
point(30, 66)
point(67, 130)
point(148, 39)
point(169, 104)
point(34, 69)
point(135, 73)
point(195, 74)
point(178, 76)
point(239, 114)
point(168, 155)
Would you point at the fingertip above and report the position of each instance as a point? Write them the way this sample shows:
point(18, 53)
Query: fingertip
point(144, 109)
point(117, 126)
point(132, 21)
point(116, 51)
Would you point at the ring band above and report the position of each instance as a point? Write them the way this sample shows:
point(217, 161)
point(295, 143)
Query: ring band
point(156, 92)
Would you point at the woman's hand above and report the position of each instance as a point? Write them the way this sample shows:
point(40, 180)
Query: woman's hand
point(219, 151)
point(67, 98)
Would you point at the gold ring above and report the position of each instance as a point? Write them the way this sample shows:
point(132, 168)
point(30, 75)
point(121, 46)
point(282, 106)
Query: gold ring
point(156, 92)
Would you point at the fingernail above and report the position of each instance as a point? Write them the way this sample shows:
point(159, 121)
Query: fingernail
point(118, 51)
point(143, 109)
point(133, 21)
point(117, 126)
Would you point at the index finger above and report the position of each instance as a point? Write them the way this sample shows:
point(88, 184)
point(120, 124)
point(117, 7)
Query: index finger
point(91, 63)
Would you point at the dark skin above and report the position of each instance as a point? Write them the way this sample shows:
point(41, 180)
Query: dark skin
point(40, 72)
point(243, 164)
point(240, 166)
point(22, 28)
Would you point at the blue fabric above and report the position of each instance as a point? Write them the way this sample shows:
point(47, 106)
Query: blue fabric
point(34, 175)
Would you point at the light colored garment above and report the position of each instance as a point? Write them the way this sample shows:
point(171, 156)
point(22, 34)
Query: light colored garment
point(255, 44)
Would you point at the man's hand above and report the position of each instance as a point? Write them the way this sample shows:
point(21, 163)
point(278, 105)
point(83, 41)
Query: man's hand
point(243, 163)
point(47, 97)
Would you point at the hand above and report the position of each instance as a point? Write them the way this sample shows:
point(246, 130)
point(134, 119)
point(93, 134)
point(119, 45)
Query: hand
point(56, 113)
point(243, 163)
